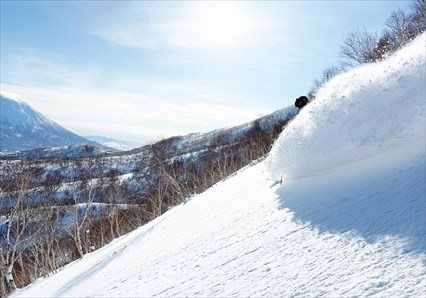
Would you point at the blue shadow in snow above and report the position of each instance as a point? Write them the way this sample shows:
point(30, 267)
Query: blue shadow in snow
point(391, 202)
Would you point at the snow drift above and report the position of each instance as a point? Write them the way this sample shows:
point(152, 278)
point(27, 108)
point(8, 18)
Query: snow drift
point(371, 109)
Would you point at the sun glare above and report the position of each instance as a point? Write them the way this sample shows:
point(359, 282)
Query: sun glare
point(216, 25)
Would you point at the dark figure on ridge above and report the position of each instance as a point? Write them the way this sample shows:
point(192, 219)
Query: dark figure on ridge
point(301, 102)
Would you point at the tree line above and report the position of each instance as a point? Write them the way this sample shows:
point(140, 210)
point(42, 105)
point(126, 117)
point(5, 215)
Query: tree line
point(362, 46)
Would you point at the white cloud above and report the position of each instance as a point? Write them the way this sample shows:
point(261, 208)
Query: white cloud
point(128, 115)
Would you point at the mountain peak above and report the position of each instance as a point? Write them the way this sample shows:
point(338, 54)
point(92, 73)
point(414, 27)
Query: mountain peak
point(24, 128)
point(11, 96)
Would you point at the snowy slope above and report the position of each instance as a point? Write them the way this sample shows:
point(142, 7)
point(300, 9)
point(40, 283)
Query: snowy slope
point(24, 128)
point(242, 239)
point(354, 225)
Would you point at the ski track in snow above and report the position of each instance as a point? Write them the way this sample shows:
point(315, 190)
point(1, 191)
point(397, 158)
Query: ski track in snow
point(243, 238)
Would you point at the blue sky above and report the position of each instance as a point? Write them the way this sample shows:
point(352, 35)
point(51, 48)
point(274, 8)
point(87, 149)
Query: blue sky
point(144, 70)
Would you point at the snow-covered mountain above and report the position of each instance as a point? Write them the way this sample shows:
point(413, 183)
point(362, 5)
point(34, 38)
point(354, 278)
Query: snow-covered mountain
point(349, 218)
point(114, 143)
point(24, 128)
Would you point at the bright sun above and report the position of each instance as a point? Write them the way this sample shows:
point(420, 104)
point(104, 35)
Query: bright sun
point(216, 25)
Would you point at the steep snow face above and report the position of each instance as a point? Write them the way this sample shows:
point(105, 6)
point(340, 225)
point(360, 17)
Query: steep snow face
point(24, 128)
point(370, 109)
point(361, 236)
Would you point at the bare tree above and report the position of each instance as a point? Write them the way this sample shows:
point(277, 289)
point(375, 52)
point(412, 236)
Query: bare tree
point(418, 15)
point(400, 29)
point(358, 46)
point(84, 193)
point(17, 228)
point(326, 75)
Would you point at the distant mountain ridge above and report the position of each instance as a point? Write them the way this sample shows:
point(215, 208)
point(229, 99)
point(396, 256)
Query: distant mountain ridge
point(23, 128)
point(114, 143)
point(70, 151)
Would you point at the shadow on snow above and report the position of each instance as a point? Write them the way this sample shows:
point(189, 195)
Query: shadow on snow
point(384, 203)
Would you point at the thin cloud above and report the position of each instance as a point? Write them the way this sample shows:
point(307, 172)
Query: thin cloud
point(195, 25)
point(32, 66)
point(118, 114)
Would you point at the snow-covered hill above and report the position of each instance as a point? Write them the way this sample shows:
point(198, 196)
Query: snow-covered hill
point(185, 157)
point(114, 143)
point(348, 220)
point(24, 128)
